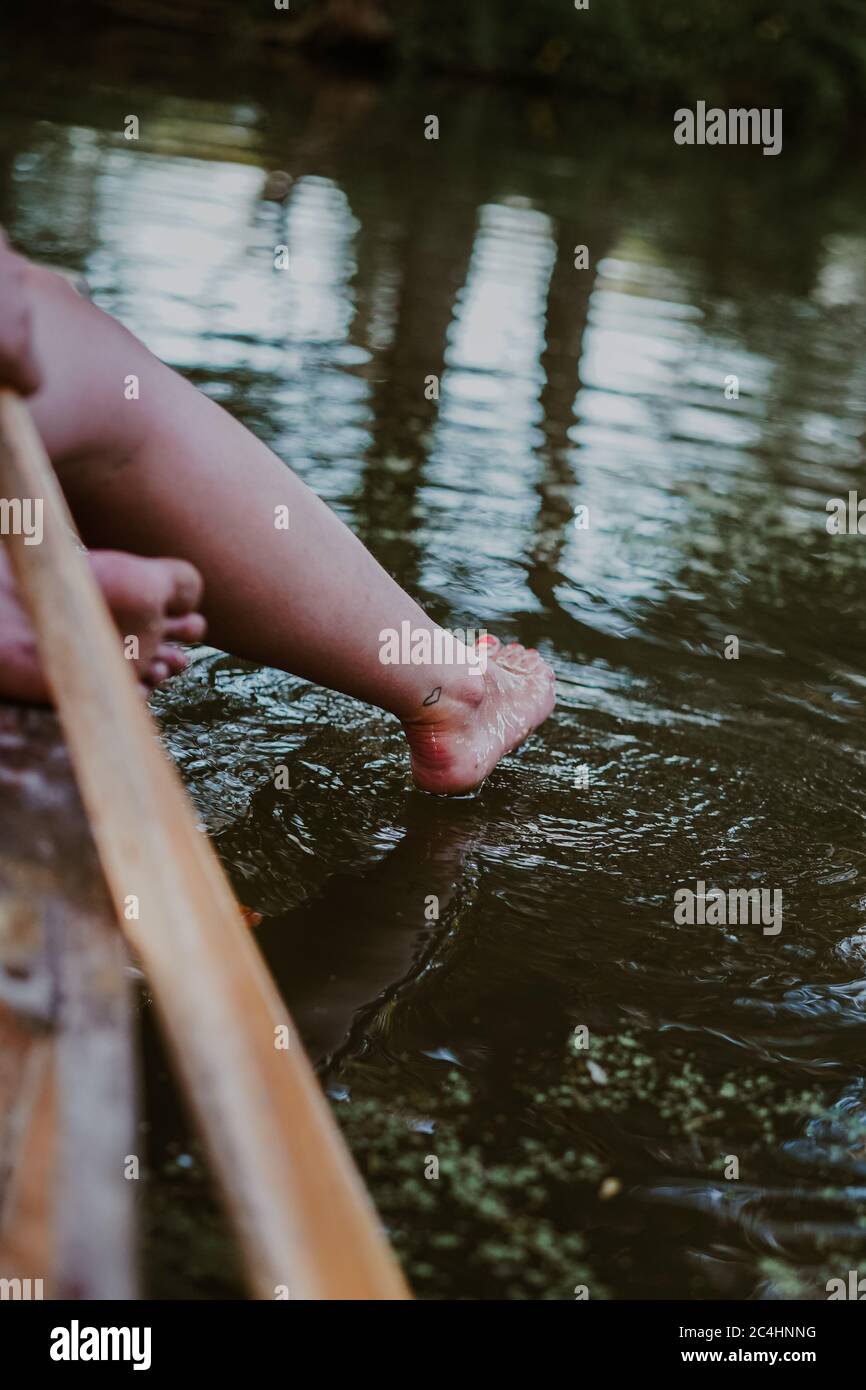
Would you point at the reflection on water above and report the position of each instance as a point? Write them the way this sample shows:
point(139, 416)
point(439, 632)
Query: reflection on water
point(560, 388)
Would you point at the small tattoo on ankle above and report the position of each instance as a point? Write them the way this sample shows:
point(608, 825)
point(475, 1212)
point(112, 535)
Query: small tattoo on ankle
point(433, 696)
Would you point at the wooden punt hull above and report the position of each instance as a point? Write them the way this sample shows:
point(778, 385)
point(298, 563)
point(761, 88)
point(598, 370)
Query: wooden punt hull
point(67, 1073)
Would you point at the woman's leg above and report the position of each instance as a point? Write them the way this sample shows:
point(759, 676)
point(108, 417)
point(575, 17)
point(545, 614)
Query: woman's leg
point(172, 473)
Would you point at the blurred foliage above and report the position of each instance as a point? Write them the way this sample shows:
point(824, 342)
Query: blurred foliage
point(806, 56)
point(796, 53)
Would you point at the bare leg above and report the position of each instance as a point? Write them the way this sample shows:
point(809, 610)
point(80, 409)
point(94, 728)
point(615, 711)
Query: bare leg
point(172, 473)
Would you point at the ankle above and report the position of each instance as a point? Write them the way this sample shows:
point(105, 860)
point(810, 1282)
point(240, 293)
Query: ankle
point(446, 693)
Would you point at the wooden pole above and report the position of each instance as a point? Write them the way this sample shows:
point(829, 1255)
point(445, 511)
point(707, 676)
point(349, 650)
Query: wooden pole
point(304, 1218)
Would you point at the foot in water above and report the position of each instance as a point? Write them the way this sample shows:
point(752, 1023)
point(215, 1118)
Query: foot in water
point(459, 736)
point(152, 600)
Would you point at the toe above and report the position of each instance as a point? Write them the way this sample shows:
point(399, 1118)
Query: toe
point(172, 658)
point(157, 672)
point(525, 660)
point(528, 664)
point(167, 661)
point(138, 586)
point(190, 628)
point(512, 656)
point(185, 587)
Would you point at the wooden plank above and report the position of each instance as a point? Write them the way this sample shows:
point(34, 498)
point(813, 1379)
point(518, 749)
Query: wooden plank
point(67, 1080)
point(305, 1220)
point(28, 1159)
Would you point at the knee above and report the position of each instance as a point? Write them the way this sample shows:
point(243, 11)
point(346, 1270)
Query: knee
point(56, 285)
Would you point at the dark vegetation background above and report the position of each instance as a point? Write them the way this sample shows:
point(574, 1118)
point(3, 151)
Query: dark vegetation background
point(808, 55)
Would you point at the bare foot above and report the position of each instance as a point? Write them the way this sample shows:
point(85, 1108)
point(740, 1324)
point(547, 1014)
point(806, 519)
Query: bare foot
point(154, 601)
point(460, 736)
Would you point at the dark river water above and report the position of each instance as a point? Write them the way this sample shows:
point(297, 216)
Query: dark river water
point(709, 1140)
